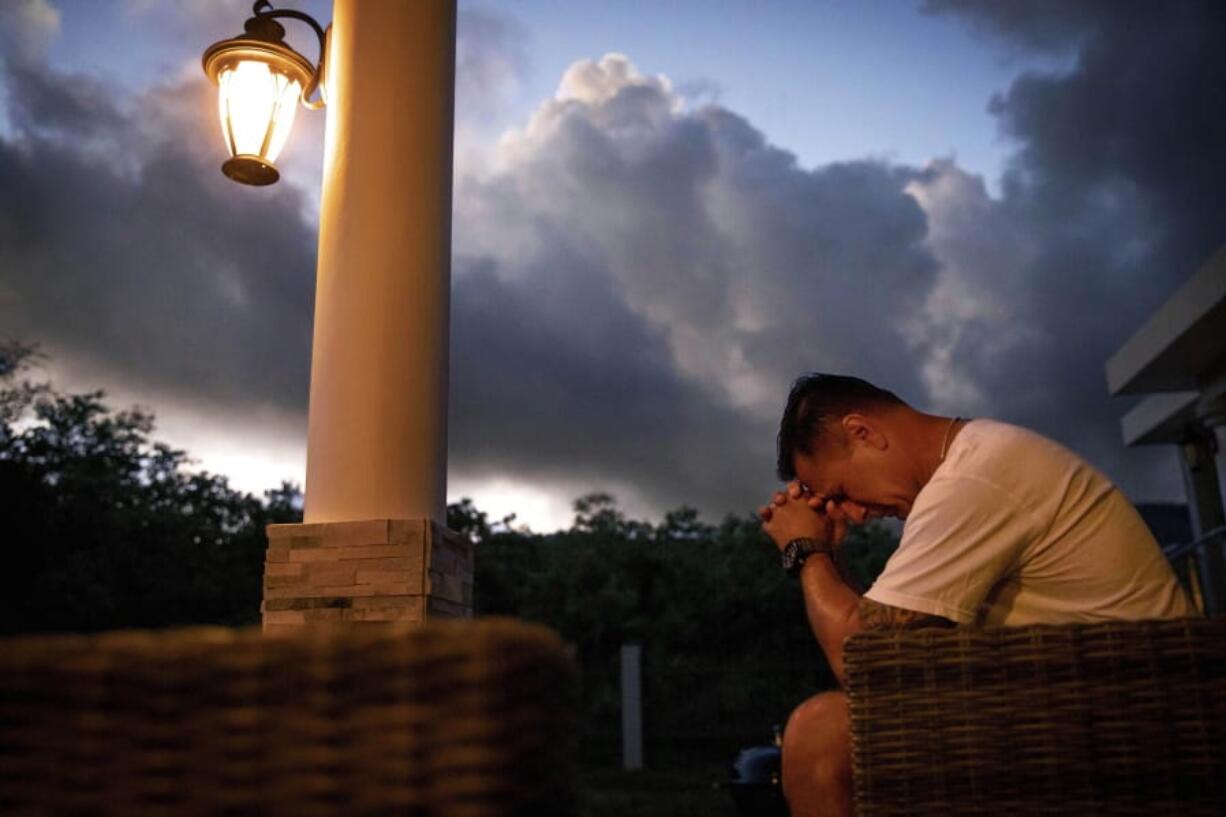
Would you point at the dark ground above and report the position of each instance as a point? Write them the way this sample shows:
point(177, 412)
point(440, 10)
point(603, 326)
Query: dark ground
point(611, 792)
point(679, 779)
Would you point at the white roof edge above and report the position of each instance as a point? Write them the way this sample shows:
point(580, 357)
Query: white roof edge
point(1190, 303)
point(1160, 418)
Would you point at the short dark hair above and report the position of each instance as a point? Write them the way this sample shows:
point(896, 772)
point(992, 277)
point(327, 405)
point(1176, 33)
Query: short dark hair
point(816, 402)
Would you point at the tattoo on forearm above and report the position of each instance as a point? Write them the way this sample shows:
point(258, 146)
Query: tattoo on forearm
point(876, 616)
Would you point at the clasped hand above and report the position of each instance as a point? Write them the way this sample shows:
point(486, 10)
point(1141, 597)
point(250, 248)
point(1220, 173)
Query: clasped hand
point(795, 512)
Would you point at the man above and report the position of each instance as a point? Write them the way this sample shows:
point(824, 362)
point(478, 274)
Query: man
point(1002, 527)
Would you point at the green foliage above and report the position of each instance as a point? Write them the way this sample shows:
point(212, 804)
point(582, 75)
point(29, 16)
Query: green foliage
point(107, 529)
point(727, 647)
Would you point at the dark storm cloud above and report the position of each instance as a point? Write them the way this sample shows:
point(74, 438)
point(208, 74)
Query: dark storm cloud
point(125, 249)
point(639, 283)
point(1140, 114)
point(1037, 25)
point(555, 381)
point(1119, 180)
point(45, 105)
point(490, 58)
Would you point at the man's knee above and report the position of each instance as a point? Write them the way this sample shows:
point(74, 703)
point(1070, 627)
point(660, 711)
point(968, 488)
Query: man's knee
point(820, 723)
point(817, 752)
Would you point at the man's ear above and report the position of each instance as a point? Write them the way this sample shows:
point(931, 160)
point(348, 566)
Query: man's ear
point(865, 430)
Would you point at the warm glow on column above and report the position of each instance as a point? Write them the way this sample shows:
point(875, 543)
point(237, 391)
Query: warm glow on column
point(257, 108)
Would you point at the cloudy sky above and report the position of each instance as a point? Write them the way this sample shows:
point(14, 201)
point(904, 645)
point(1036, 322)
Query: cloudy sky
point(664, 212)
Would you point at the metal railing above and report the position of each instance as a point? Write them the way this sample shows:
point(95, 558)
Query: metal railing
point(1197, 563)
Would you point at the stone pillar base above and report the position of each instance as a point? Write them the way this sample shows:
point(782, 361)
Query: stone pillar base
point(373, 571)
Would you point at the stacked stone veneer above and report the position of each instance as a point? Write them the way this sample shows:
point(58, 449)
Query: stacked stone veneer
point(382, 570)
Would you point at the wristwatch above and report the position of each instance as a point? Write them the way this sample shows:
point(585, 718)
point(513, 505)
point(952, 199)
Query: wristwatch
point(796, 551)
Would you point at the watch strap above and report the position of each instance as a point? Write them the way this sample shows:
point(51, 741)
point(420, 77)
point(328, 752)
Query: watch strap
point(796, 551)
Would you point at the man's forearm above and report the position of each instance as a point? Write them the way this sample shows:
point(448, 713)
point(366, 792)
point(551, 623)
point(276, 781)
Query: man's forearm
point(830, 605)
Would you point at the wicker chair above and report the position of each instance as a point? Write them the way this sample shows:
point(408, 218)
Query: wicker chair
point(471, 718)
point(1118, 718)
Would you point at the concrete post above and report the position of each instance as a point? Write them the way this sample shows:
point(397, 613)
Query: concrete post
point(377, 426)
point(1197, 458)
point(374, 546)
point(632, 706)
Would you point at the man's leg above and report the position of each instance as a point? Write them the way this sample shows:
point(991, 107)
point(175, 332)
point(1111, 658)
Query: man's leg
point(817, 757)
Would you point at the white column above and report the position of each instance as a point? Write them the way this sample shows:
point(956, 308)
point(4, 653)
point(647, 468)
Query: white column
point(377, 427)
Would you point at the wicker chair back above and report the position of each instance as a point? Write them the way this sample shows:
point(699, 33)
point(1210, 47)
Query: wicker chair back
point(466, 718)
point(1115, 718)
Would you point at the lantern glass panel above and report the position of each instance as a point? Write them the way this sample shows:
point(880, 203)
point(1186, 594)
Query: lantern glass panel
point(257, 106)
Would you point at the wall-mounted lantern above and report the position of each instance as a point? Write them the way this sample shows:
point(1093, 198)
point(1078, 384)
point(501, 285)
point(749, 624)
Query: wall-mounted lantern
point(260, 80)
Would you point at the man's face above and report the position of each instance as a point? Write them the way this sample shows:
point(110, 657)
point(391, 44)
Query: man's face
point(864, 480)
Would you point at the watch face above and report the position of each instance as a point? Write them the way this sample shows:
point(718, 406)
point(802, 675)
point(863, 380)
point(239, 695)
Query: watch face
point(792, 558)
point(797, 551)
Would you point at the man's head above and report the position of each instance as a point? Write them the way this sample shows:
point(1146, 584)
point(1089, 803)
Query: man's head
point(842, 437)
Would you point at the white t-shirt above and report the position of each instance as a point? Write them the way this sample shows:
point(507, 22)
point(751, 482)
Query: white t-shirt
point(1014, 529)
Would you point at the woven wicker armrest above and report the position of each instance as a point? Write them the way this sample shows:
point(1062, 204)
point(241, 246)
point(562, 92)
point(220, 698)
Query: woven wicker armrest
point(1116, 718)
point(448, 718)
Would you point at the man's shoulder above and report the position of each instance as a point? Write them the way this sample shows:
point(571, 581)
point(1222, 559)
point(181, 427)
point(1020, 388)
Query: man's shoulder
point(1016, 467)
point(989, 444)
point(986, 431)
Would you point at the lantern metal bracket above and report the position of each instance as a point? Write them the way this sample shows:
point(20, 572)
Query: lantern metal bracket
point(262, 26)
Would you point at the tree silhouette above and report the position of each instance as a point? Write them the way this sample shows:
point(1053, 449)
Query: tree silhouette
point(106, 528)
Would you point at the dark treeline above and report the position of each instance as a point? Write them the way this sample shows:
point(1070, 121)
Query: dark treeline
point(727, 651)
point(105, 528)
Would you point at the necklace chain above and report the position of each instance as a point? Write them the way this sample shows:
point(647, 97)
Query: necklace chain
point(945, 441)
